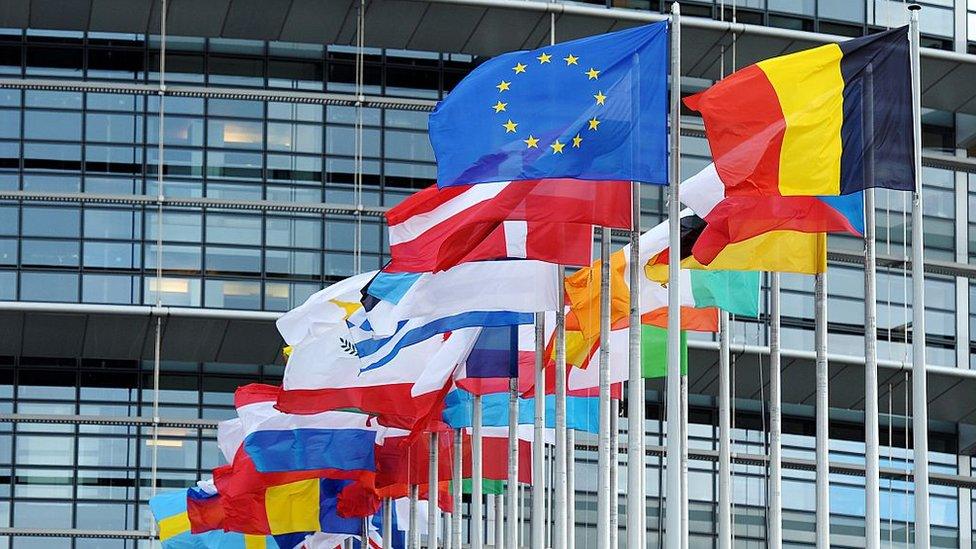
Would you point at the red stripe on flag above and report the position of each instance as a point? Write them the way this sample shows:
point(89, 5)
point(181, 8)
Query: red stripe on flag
point(745, 137)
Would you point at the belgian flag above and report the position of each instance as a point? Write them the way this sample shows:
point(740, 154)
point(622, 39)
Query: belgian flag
point(826, 121)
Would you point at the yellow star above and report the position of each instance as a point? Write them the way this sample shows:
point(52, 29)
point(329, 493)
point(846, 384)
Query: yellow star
point(557, 147)
point(510, 126)
point(571, 60)
point(519, 68)
point(531, 142)
point(499, 107)
point(600, 98)
point(576, 141)
point(592, 73)
point(503, 86)
point(594, 123)
point(544, 58)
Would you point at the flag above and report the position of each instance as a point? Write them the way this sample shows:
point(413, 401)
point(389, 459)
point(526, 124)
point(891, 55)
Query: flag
point(170, 511)
point(654, 352)
point(549, 220)
point(581, 411)
point(736, 292)
point(279, 442)
point(774, 233)
point(494, 452)
point(326, 373)
point(330, 306)
point(593, 108)
point(798, 124)
point(513, 286)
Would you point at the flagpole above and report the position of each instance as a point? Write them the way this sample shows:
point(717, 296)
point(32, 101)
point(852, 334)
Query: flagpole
point(477, 511)
point(872, 478)
point(775, 418)
point(724, 436)
point(364, 536)
point(636, 530)
point(457, 482)
point(433, 490)
point(388, 523)
point(675, 497)
point(920, 415)
point(561, 500)
point(823, 421)
point(571, 488)
point(513, 457)
point(499, 520)
point(684, 460)
point(614, 479)
point(539, 438)
point(603, 427)
point(414, 541)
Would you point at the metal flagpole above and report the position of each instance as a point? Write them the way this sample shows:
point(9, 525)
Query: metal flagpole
point(513, 457)
point(823, 424)
point(571, 488)
point(775, 419)
point(603, 427)
point(388, 523)
point(684, 460)
point(477, 510)
point(724, 436)
point(432, 492)
point(539, 438)
point(920, 415)
point(414, 541)
point(457, 483)
point(674, 443)
point(364, 537)
point(561, 499)
point(636, 500)
point(872, 479)
point(614, 479)
point(499, 520)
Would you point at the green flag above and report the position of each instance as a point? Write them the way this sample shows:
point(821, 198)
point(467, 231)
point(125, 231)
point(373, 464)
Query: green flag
point(654, 351)
point(488, 486)
point(734, 291)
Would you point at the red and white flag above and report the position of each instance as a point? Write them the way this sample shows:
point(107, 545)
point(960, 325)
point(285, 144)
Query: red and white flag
point(549, 220)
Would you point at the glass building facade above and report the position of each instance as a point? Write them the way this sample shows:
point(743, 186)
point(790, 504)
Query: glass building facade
point(262, 191)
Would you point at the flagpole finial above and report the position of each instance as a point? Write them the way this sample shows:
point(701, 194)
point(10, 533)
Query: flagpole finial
point(676, 8)
point(914, 7)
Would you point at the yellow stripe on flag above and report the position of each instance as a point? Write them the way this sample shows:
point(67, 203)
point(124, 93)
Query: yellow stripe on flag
point(810, 88)
point(293, 507)
point(173, 526)
point(255, 542)
point(780, 251)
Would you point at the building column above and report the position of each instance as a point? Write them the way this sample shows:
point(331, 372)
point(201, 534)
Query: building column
point(965, 505)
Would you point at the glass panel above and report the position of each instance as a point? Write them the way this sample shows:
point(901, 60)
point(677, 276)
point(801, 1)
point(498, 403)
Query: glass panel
point(118, 224)
point(49, 286)
point(233, 260)
point(293, 232)
point(109, 289)
point(62, 126)
point(234, 228)
point(304, 138)
point(51, 221)
point(296, 263)
point(236, 134)
point(58, 253)
point(181, 292)
point(233, 294)
point(114, 255)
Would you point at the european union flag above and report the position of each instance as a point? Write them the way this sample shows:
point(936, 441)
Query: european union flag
point(594, 108)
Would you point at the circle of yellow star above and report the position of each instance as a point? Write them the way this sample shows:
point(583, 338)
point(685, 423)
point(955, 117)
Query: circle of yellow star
point(593, 74)
point(593, 123)
point(499, 107)
point(503, 86)
point(510, 126)
point(557, 147)
point(576, 141)
point(600, 98)
point(531, 142)
point(519, 67)
point(571, 60)
point(544, 58)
